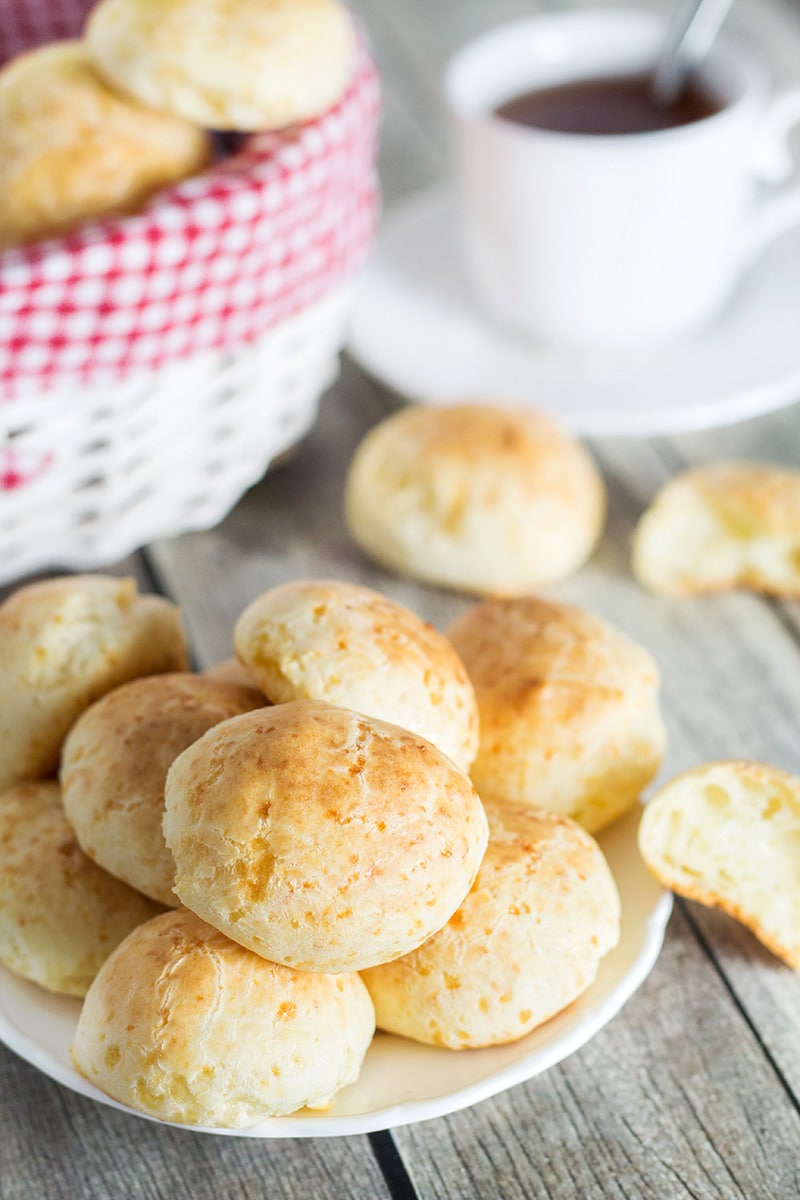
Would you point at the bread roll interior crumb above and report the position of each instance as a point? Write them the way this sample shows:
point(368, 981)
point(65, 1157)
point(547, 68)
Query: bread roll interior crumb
point(728, 525)
point(727, 834)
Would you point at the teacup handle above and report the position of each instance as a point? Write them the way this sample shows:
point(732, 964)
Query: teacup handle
point(774, 164)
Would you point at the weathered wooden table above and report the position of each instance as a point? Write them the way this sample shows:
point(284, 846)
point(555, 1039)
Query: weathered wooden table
point(693, 1091)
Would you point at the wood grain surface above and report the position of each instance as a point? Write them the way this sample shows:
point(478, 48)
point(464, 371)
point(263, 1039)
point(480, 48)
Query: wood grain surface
point(693, 1091)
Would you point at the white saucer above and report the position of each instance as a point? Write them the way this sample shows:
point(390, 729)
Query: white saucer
point(418, 329)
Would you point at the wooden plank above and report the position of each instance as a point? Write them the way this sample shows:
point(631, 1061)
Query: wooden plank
point(674, 1100)
point(290, 526)
point(287, 527)
point(731, 671)
point(57, 1144)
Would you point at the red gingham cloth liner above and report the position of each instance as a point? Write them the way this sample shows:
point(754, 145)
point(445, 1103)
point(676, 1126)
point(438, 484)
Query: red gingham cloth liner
point(210, 264)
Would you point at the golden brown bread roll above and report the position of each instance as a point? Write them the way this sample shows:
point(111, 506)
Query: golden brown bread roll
point(71, 149)
point(187, 1026)
point(569, 711)
point(255, 64)
point(729, 525)
point(60, 914)
point(114, 767)
point(486, 499)
point(66, 642)
point(525, 943)
point(321, 838)
point(319, 639)
point(727, 834)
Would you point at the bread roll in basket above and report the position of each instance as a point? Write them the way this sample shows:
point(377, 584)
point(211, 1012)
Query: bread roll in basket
point(153, 365)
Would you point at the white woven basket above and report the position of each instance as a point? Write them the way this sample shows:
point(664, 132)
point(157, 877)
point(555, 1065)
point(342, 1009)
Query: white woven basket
point(164, 453)
point(153, 366)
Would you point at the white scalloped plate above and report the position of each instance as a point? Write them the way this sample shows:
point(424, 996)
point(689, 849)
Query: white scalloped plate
point(402, 1081)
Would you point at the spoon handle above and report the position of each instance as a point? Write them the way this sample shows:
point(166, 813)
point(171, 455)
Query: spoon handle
point(690, 34)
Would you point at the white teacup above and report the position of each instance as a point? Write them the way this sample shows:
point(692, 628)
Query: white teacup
point(620, 239)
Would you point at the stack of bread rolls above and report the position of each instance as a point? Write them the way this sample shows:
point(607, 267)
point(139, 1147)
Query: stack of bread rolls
point(95, 127)
point(245, 871)
point(359, 822)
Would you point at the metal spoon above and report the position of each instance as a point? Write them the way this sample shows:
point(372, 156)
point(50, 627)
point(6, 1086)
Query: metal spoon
point(690, 34)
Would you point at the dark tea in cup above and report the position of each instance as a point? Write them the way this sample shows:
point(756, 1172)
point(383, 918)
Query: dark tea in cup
point(608, 105)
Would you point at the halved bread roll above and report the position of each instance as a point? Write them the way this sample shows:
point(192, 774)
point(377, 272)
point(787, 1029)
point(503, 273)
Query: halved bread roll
point(728, 835)
point(724, 526)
